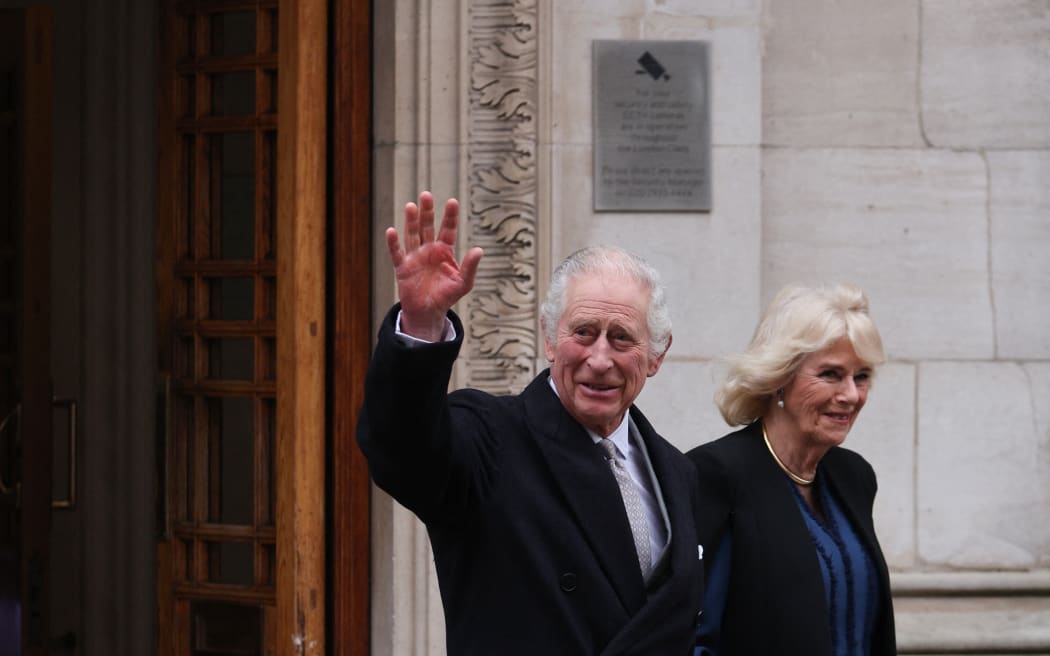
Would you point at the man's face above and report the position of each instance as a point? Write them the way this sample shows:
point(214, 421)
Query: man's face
point(600, 355)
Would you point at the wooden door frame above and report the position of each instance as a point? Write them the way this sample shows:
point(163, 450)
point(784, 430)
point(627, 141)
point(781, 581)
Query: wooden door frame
point(27, 504)
point(34, 351)
point(301, 326)
point(324, 233)
point(350, 324)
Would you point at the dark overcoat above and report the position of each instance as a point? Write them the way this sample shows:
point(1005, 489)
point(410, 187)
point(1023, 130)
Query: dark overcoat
point(776, 601)
point(531, 542)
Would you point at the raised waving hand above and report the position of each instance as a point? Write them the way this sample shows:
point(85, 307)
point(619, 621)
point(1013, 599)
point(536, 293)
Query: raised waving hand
point(429, 280)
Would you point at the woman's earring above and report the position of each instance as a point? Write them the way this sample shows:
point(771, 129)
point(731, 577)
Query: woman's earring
point(780, 398)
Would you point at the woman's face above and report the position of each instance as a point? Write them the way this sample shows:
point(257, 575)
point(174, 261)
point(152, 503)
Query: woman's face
point(824, 398)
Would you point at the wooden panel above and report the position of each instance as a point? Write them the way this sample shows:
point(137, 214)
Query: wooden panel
point(34, 337)
point(218, 327)
point(167, 238)
point(302, 154)
point(351, 325)
point(290, 436)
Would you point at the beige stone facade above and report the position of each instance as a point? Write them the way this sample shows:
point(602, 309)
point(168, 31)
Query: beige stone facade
point(901, 145)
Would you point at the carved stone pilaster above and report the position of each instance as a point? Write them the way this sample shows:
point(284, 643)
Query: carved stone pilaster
point(502, 181)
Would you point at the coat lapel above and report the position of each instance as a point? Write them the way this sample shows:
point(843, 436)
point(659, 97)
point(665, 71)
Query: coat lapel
point(589, 488)
point(844, 482)
point(676, 495)
point(778, 516)
point(683, 564)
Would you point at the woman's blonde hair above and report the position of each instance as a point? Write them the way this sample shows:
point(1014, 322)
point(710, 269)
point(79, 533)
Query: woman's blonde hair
point(800, 320)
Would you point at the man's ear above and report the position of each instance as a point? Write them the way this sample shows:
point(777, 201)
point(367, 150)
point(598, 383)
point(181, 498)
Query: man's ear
point(654, 363)
point(548, 349)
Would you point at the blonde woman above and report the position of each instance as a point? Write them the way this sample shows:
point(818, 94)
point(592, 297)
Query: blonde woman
point(786, 511)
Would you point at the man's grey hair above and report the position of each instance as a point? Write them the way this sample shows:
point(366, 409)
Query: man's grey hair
point(616, 260)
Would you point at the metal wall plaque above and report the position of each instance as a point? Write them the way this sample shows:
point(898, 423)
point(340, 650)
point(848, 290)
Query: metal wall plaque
point(652, 143)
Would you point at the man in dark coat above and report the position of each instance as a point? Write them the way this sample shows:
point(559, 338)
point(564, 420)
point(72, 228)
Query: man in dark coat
point(561, 522)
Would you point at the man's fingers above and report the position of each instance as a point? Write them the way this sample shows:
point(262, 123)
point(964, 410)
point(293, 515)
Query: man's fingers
point(450, 222)
point(412, 212)
point(394, 246)
point(469, 267)
point(419, 222)
point(426, 217)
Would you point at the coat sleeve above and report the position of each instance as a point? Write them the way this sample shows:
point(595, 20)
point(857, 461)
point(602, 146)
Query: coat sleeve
point(405, 427)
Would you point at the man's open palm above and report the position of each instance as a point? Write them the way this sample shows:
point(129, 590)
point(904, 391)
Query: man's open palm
point(429, 280)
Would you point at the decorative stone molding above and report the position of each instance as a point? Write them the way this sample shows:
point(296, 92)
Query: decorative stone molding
point(502, 180)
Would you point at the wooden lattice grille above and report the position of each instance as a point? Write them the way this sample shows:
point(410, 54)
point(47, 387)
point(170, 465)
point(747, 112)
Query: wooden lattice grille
point(221, 504)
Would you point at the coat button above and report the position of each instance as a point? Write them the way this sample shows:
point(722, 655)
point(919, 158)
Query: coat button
point(568, 581)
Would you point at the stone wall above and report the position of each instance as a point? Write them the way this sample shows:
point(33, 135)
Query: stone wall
point(902, 145)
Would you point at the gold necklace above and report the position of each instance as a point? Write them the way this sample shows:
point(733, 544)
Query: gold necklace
point(792, 475)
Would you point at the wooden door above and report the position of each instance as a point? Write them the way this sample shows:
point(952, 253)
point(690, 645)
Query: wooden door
point(263, 283)
point(217, 322)
point(25, 386)
point(350, 307)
